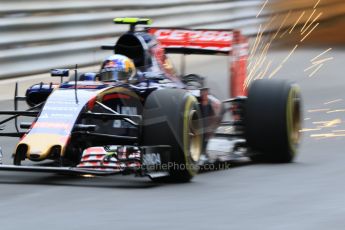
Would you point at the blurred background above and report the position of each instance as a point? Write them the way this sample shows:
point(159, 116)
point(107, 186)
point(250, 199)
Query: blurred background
point(36, 35)
point(296, 40)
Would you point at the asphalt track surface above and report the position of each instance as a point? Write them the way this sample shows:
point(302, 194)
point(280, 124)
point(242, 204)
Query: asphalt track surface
point(307, 194)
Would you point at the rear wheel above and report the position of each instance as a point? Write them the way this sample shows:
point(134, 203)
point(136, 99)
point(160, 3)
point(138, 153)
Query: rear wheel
point(172, 117)
point(273, 120)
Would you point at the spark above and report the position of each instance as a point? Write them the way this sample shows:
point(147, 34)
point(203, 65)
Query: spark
point(297, 22)
point(88, 176)
point(312, 60)
point(336, 111)
point(256, 41)
point(317, 4)
point(275, 71)
point(334, 101)
point(328, 124)
point(263, 55)
point(318, 63)
point(309, 68)
point(283, 34)
point(308, 130)
point(323, 60)
point(291, 52)
point(256, 44)
point(282, 63)
point(312, 23)
point(314, 72)
point(310, 32)
point(338, 131)
point(263, 6)
point(317, 110)
point(308, 20)
point(266, 70)
point(258, 59)
point(258, 63)
point(281, 25)
point(270, 22)
point(327, 135)
point(259, 76)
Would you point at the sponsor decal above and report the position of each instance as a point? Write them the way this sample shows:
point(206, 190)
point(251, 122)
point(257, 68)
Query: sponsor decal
point(51, 108)
point(152, 159)
point(52, 125)
point(194, 35)
point(218, 40)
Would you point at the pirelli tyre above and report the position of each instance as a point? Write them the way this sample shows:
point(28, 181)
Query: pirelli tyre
point(172, 117)
point(273, 120)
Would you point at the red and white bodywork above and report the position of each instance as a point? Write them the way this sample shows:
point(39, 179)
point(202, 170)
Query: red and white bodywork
point(215, 42)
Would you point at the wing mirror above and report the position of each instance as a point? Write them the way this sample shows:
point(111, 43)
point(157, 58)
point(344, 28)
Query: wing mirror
point(59, 73)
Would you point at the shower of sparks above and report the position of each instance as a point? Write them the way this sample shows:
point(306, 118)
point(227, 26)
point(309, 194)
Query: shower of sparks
point(259, 61)
point(255, 66)
point(262, 8)
point(258, 40)
point(256, 43)
point(260, 67)
point(320, 125)
point(334, 101)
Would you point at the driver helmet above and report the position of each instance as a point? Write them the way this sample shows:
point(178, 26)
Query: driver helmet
point(117, 68)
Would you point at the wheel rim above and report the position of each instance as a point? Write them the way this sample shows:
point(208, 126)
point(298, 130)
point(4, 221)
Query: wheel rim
point(195, 146)
point(294, 118)
point(296, 121)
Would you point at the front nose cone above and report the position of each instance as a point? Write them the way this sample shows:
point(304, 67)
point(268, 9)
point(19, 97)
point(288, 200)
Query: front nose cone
point(41, 146)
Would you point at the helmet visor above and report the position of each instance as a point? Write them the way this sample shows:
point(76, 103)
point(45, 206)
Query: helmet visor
point(113, 75)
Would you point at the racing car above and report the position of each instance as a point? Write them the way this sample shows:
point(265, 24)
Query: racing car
point(157, 123)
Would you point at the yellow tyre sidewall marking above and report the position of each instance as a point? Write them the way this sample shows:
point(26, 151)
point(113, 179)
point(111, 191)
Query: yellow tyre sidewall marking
point(289, 118)
point(189, 165)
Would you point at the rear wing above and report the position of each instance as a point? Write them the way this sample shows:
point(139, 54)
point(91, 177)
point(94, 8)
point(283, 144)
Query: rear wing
point(209, 42)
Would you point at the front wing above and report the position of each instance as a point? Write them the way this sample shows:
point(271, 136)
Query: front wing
point(152, 161)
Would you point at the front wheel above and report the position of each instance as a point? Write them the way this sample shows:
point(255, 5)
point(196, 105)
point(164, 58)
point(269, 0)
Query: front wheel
point(172, 117)
point(273, 120)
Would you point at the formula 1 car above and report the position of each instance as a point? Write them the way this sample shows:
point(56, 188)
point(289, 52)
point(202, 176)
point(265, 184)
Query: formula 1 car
point(162, 125)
